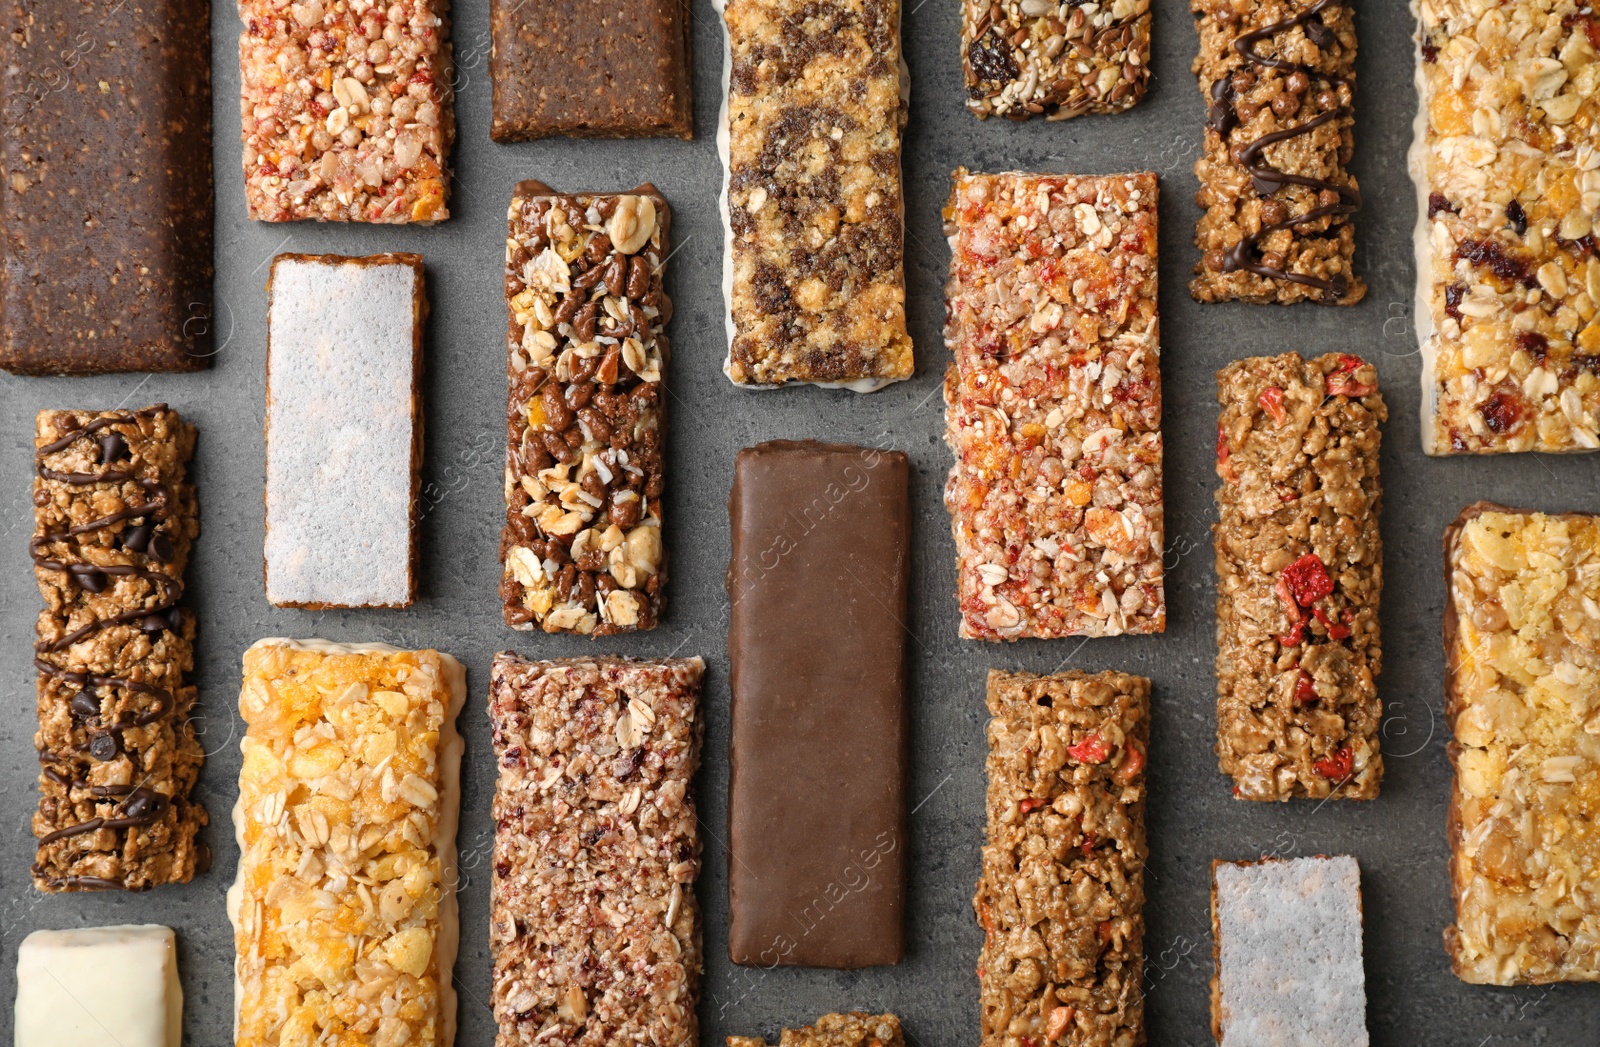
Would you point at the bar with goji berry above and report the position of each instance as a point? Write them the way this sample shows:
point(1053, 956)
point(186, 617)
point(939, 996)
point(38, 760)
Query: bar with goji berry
point(1299, 575)
point(1067, 755)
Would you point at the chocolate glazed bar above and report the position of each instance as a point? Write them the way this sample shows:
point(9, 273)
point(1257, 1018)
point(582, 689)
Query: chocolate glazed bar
point(105, 186)
point(816, 647)
point(114, 518)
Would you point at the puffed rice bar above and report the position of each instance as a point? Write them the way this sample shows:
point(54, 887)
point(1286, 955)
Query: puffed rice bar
point(1024, 58)
point(855, 1029)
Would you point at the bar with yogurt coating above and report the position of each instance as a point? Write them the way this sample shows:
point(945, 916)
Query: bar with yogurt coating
point(75, 986)
point(1025, 58)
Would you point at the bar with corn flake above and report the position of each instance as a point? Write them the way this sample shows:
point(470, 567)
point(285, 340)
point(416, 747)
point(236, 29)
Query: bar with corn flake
point(855, 1029)
point(1024, 58)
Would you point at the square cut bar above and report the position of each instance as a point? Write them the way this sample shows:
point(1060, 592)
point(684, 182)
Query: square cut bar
point(816, 652)
point(115, 517)
point(585, 414)
point(1053, 405)
point(1278, 77)
point(1052, 58)
point(1287, 942)
point(1508, 185)
point(567, 67)
point(74, 987)
point(105, 186)
point(813, 207)
point(593, 920)
point(1522, 653)
point(1061, 899)
point(344, 429)
point(347, 110)
point(344, 908)
point(855, 1029)
point(1299, 560)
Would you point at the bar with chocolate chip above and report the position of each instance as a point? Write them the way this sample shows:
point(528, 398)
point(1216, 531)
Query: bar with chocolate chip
point(1025, 58)
point(115, 517)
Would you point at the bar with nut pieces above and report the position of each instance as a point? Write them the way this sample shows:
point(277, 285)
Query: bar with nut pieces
point(344, 908)
point(593, 920)
point(115, 517)
point(1278, 77)
point(1522, 654)
point(1025, 58)
point(1299, 562)
point(1508, 184)
point(1066, 798)
point(855, 1029)
point(1053, 405)
point(585, 415)
point(814, 214)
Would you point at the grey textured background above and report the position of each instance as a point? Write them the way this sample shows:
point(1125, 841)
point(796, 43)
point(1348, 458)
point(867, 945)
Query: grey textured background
point(1399, 839)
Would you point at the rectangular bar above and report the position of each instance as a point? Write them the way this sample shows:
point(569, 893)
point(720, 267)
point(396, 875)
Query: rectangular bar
point(1278, 77)
point(816, 653)
point(1299, 560)
point(105, 187)
point(1273, 922)
point(813, 211)
point(1053, 409)
point(1508, 276)
point(585, 416)
point(344, 429)
point(571, 68)
point(1054, 59)
point(347, 110)
point(1066, 799)
point(344, 907)
point(593, 920)
point(855, 1029)
point(1522, 653)
point(115, 517)
point(74, 987)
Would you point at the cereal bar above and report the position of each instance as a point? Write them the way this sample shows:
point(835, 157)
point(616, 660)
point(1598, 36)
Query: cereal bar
point(1053, 405)
point(1508, 182)
point(347, 109)
point(75, 986)
point(810, 136)
point(1061, 898)
point(1023, 58)
point(593, 920)
point(114, 519)
point(1522, 653)
point(585, 416)
point(344, 908)
point(855, 1029)
point(1278, 77)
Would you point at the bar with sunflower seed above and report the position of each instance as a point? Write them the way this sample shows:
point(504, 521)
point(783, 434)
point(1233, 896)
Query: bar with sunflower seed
point(1026, 58)
point(855, 1029)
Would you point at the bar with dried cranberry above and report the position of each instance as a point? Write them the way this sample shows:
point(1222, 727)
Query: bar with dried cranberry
point(1026, 58)
point(1053, 405)
point(1278, 77)
point(585, 416)
point(114, 519)
point(1299, 574)
point(1061, 898)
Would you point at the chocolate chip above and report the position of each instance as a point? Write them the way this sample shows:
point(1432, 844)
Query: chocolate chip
point(1517, 216)
point(113, 448)
point(89, 577)
point(161, 548)
point(154, 623)
point(144, 804)
point(1318, 33)
point(104, 747)
point(85, 704)
point(135, 539)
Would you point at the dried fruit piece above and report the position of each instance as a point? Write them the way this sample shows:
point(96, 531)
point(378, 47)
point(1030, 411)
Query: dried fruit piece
point(1307, 580)
point(1093, 749)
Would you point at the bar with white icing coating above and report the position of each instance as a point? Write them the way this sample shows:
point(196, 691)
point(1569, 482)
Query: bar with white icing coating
point(99, 987)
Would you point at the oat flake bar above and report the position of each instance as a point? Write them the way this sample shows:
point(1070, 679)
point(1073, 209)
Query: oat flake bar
point(1062, 59)
point(856, 1029)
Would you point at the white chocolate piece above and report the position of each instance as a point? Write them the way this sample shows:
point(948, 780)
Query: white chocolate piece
point(99, 987)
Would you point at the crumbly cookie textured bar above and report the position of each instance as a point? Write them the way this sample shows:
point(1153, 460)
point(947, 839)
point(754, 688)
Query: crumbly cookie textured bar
point(1508, 180)
point(1053, 405)
point(1299, 573)
point(593, 920)
point(1026, 58)
point(1065, 805)
point(1278, 77)
point(815, 253)
point(1522, 649)
point(347, 109)
point(344, 908)
point(585, 417)
point(114, 519)
point(855, 1029)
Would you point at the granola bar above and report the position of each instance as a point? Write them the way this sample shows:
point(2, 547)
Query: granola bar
point(585, 415)
point(1061, 898)
point(1522, 651)
point(75, 986)
point(1053, 405)
point(855, 1029)
point(114, 519)
point(593, 920)
point(810, 137)
point(344, 908)
point(1023, 58)
point(347, 110)
point(1299, 573)
point(1279, 79)
point(1508, 184)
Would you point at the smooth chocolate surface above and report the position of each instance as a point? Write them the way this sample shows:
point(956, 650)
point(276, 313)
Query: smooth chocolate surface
point(818, 764)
